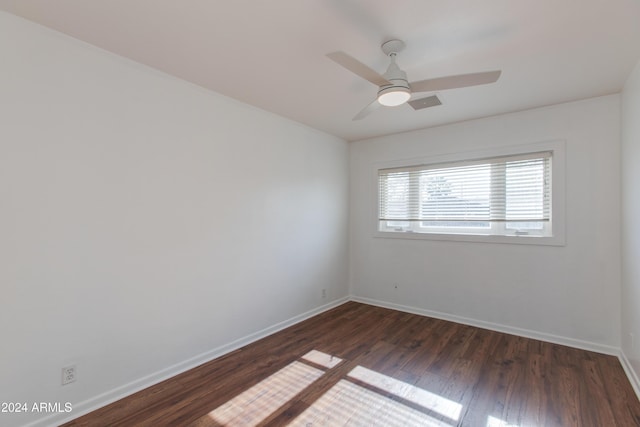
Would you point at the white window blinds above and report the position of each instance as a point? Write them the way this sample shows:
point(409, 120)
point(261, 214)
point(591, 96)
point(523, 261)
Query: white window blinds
point(512, 190)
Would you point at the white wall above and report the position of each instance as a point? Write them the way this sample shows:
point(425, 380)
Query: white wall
point(568, 294)
point(630, 224)
point(146, 223)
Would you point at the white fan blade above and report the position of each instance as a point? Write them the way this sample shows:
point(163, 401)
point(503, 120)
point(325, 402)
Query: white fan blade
point(367, 110)
point(453, 82)
point(358, 68)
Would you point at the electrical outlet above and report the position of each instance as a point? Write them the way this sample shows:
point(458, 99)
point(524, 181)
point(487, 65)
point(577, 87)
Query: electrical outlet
point(68, 374)
point(324, 293)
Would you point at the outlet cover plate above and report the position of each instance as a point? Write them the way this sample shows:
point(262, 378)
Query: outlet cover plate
point(68, 374)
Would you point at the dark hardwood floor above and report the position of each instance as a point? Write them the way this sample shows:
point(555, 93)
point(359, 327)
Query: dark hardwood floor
point(362, 365)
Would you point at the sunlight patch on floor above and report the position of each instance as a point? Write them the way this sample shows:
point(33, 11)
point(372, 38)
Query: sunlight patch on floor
point(348, 404)
point(264, 398)
point(497, 422)
point(409, 392)
point(322, 359)
point(345, 404)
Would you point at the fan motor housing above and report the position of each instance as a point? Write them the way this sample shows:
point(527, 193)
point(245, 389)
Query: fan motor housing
point(397, 85)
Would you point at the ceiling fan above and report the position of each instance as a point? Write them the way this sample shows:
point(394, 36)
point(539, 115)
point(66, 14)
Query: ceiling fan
point(393, 87)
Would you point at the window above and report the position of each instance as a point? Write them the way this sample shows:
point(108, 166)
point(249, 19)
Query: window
point(506, 195)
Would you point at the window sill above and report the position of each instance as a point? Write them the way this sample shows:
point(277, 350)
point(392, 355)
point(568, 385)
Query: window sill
point(475, 238)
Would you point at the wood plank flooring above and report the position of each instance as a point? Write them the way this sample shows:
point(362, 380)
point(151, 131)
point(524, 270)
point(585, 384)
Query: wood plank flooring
point(361, 365)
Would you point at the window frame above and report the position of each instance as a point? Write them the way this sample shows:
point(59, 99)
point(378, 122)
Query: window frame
point(557, 223)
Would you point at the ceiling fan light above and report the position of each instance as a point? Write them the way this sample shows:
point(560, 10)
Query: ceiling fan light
point(393, 96)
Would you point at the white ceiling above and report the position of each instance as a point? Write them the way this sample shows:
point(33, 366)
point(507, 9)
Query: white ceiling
point(271, 53)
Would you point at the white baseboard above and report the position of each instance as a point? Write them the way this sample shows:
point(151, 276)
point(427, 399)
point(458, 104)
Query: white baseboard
point(570, 342)
point(555, 339)
point(123, 391)
point(631, 373)
point(111, 396)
